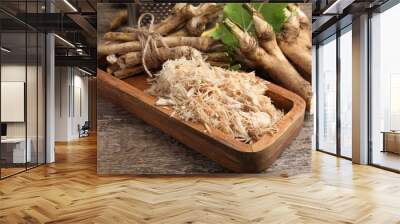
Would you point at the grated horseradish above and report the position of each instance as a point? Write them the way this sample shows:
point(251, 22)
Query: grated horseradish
point(232, 102)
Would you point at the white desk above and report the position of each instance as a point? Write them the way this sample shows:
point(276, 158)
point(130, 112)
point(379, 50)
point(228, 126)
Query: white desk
point(19, 155)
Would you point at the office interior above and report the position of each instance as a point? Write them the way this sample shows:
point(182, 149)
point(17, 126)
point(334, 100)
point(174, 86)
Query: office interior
point(48, 107)
point(48, 91)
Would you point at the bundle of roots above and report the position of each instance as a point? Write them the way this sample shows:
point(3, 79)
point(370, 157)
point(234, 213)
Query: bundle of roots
point(133, 50)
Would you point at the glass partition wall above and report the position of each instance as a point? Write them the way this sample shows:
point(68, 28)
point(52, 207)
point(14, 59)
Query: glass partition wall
point(346, 95)
point(22, 88)
point(385, 90)
point(334, 127)
point(334, 93)
point(326, 102)
point(13, 89)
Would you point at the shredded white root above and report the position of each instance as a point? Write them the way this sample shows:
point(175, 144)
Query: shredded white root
point(233, 102)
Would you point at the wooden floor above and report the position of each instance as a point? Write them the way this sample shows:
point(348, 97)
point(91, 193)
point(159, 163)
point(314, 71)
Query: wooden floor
point(5, 172)
point(9, 171)
point(386, 159)
point(69, 191)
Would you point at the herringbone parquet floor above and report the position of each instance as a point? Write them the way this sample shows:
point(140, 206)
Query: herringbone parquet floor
point(69, 191)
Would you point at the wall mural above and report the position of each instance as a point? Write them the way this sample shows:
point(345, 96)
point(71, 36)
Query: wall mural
point(205, 88)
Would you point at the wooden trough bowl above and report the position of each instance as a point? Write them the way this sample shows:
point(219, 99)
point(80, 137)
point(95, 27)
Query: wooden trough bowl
point(220, 147)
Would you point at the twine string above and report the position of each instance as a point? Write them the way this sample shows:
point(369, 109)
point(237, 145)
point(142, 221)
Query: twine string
point(148, 41)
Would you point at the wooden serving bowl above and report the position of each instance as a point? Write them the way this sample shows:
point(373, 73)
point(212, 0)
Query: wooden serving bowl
point(217, 146)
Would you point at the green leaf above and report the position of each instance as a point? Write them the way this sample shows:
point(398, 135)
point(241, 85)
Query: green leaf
point(221, 32)
point(273, 13)
point(238, 15)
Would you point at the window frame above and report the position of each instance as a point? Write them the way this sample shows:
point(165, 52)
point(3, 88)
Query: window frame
point(337, 34)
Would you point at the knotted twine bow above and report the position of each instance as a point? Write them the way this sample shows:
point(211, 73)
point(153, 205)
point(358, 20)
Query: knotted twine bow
point(148, 41)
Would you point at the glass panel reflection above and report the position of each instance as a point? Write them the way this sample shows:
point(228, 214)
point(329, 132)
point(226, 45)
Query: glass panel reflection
point(346, 94)
point(15, 149)
point(327, 96)
point(385, 89)
point(32, 97)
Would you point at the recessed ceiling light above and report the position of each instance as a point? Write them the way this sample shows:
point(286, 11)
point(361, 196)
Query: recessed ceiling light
point(5, 50)
point(79, 51)
point(337, 7)
point(65, 41)
point(84, 71)
point(70, 5)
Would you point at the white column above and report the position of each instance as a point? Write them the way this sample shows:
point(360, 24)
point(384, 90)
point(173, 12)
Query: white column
point(314, 88)
point(50, 99)
point(360, 90)
point(50, 92)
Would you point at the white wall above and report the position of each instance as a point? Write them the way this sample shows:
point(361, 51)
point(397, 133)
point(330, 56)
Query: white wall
point(71, 94)
point(80, 109)
point(13, 101)
point(13, 72)
point(62, 81)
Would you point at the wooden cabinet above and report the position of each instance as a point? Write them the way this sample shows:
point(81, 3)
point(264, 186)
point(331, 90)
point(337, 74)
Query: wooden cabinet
point(391, 142)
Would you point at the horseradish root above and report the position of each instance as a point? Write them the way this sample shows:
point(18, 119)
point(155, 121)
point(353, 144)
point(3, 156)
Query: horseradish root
point(119, 20)
point(219, 56)
point(232, 102)
point(200, 43)
point(279, 63)
point(303, 18)
point(154, 58)
point(128, 72)
point(198, 24)
point(295, 40)
point(285, 76)
point(121, 36)
point(180, 14)
point(179, 33)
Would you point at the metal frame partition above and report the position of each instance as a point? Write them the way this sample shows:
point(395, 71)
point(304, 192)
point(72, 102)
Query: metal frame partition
point(39, 117)
point(337, 35)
